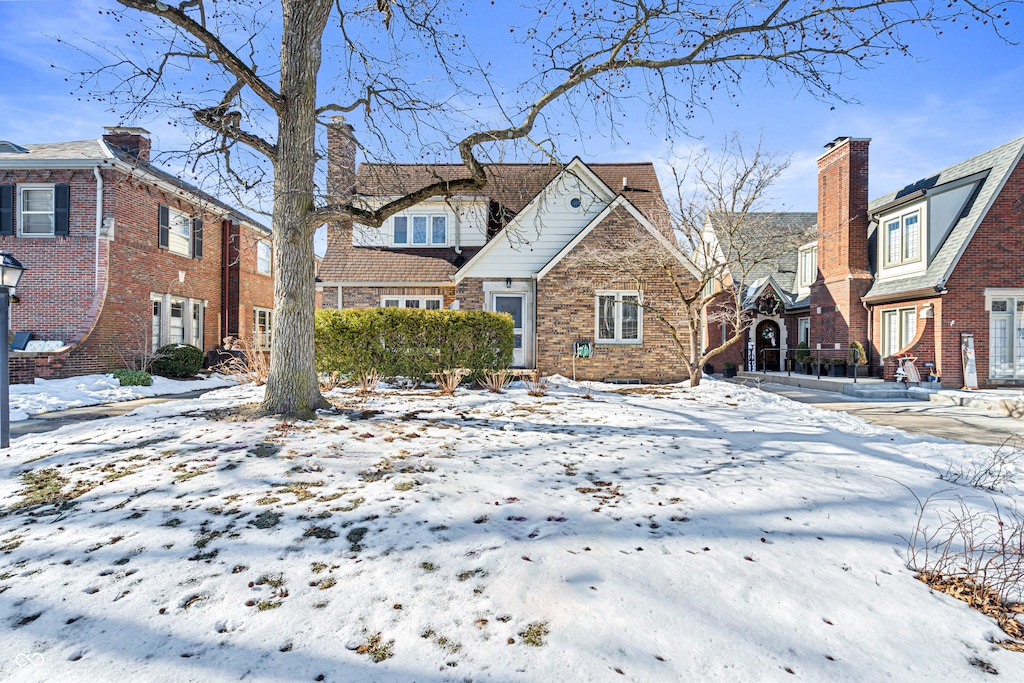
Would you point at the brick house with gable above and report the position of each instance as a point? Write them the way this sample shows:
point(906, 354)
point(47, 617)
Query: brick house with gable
point(511, 247)
point(924, 270)
point(118, 250)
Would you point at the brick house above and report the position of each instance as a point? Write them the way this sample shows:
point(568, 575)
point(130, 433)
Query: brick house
point(930, 269)
point(513, 247)
point(120, 253)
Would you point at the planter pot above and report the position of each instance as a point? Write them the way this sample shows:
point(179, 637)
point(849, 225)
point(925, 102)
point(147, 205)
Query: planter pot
point(801, 368)
point(862, 370)
point(728, 372)
point(837, 370)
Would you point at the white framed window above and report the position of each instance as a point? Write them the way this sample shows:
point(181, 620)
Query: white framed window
point(430, 303)
point(426, 230)
point(808, 265)
point(179, 234)
point(1006, 335)
point(803, 331)
point(902, 239)
point(263, 326)
point(263, 257)
point(177, 320)
point(618, 317)
point(899, 326)
point(36, 210)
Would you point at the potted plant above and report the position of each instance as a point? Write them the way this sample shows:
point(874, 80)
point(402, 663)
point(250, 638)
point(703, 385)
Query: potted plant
point(856, 363)
point(802, 358)
point(837, 367)
point(728, 369)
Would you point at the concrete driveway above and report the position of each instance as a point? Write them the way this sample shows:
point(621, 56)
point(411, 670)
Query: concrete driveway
point(973, 425)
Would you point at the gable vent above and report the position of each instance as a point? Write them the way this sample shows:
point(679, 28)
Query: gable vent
point(11, 148)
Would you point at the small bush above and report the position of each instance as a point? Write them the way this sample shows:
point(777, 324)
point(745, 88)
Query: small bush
point(178, 360)
point(133, 378)
point(803, 354)
point(496, 381)
point(449, 380)
point(538, 387)
point(859, 357)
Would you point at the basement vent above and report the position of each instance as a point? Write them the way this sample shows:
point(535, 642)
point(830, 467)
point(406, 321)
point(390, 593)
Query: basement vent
point(622, 381)
point(11, 148)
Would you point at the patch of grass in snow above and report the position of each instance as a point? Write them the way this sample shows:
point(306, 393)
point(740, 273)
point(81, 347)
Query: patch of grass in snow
point(172, 522)
point(272, 580)
point(46, 487)
point(266, 519)
point(352, 505)
point(324, 533)
point(320, 605)
point(328, 497)
point(318, 567)
point(534, 633)
point(378, 471)
point(267, 500)
point(467, 575)
point(183, 473)
point(428, 567)
point(300, 489)
point(205, 537)
point(265, 450)
point(194, 600)
point(325, 583)
point(111, 473)
point(354, 537)
point(443, 642)
point(9, 545)
point(405, 485)
point(376, 648)
point(264, 605)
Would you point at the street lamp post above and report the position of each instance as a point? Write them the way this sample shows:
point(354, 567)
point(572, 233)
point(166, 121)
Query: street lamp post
point(10, 272)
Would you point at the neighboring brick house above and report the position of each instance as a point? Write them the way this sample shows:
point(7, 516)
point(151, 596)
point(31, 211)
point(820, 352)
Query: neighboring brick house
point(119, 252)
point(510, 248)
point(927, 270)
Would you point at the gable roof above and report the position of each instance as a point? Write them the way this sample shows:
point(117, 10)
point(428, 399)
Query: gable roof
point(625, 204)
point(514, 186)
point(91, 153)
point(998, 163)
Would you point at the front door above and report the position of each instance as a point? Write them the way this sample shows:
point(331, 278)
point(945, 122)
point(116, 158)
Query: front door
point(767, 346)
point(514, 305)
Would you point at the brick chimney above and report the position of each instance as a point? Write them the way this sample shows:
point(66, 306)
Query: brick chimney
point(838, 317)
point(341, 174)
point(133, 141)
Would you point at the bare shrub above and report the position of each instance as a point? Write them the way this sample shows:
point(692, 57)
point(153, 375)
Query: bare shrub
point(538, 387)
point(586, 391)
point(449, 380)
point(329, 381)
point(496, 381)
point(997, 470)
point(135, 349)
point(368, 381)
point(976, 556)
point(251, 365)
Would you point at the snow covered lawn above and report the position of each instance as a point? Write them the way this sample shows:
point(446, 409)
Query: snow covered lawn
point(48, 395)
point(670, 534)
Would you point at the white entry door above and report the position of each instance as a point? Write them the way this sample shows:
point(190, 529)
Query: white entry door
point(514, 305)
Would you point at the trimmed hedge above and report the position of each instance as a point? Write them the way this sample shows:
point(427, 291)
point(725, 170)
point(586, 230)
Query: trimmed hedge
point(177, 360)
point(411, 342)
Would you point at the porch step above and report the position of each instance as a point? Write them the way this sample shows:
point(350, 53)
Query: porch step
point(864, 388)
point(881, 390)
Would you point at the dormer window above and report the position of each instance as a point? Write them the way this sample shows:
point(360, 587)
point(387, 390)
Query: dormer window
point(902, 239)
point(420, 230)
point(808, 265)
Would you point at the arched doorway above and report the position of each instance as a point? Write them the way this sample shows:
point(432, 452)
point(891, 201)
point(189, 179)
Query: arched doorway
point(767, 345)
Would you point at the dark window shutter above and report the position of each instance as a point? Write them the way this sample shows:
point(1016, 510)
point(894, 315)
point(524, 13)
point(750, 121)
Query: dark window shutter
point(197, 238)
point(6, 209)
point(164, 240)
point(61, 209)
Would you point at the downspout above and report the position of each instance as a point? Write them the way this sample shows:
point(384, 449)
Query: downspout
point(867, 350)
point(99, 221)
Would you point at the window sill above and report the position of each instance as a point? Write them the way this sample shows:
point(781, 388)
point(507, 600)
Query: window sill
point(620, 342)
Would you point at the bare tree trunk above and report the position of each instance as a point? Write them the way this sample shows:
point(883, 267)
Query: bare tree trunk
point(292, 386)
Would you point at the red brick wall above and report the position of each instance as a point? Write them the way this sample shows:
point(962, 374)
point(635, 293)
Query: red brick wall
point(370, 297)
point(565, 313)
point(255, 288)
point(59, 299)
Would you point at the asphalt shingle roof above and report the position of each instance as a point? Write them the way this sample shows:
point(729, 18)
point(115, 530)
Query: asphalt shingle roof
point(511, 185)
point(999, 162)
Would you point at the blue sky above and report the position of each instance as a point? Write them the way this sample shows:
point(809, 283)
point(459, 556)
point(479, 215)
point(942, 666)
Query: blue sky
point(962, 95)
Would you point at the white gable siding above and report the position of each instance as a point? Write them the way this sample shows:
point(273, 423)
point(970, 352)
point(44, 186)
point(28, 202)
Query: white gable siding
point(542, 229)
point(468, 217)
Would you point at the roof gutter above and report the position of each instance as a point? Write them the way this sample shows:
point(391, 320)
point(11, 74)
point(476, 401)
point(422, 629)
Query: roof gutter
point(937, 290)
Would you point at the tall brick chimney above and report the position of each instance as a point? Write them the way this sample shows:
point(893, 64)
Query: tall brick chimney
point(134, 141)
point(341, 174)
point(844, 278)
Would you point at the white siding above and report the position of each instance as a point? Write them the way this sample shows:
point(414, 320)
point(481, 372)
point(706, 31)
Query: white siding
point(542, 229)
point(471, 215)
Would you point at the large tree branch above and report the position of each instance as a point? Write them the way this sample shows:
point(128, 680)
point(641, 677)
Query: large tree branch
point(224, 55)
